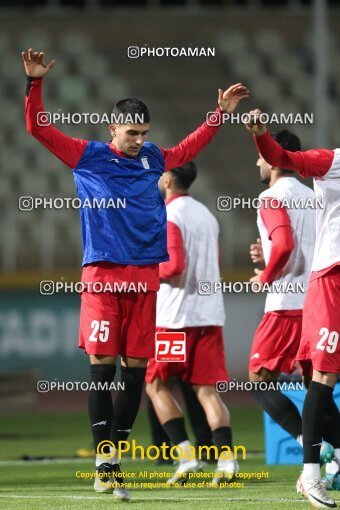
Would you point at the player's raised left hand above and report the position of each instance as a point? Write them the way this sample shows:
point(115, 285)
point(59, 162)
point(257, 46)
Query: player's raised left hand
point(230, 98)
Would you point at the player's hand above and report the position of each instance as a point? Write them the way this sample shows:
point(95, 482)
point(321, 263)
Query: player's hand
point(253, 123)
point(230, 98)
point(34, 64)
point(256, 252)
point(257, 278)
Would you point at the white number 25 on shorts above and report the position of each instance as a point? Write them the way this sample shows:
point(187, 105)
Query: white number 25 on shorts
point(331, 339)
point(100, 331)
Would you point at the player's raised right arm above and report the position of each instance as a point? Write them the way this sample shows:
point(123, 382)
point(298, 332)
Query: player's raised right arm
point(68, 150)
point(188, 148)
point(311, 163)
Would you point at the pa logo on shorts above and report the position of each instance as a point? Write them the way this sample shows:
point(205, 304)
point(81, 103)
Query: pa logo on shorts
point(170, 346)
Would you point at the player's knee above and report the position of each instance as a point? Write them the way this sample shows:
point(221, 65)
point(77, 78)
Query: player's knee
point(134, 362)
point(155, 387)
point(203, 392)
point(96, 359)
point(327, 378)
point(264, 375)
point(254, 377)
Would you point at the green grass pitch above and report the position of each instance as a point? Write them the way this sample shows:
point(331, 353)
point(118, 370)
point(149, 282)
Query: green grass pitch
point(53, 484)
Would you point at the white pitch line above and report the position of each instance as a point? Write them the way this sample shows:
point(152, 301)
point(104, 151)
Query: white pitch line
point(274, 500)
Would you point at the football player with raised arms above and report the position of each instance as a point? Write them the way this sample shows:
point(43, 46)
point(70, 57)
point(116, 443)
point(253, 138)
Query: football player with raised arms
point(287, 237)
point(123, 245)
point(319, 351)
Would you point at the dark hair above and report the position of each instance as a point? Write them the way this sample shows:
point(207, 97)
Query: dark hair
point(288, 141)
point(131, 107)
point(184, 175)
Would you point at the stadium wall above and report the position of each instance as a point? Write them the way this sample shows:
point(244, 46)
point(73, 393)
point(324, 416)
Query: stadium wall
point(40, 334)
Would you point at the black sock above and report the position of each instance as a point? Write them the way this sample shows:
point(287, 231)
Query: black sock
point(100, 403)
point(196, 415)
point(331, 425)
point(222, 437)
point(176, 430)
point(127, 402)
point(158, 434)
point(281, 409)
point(317, 401)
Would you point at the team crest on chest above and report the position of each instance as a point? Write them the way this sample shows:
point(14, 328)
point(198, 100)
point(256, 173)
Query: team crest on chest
point(145, 163)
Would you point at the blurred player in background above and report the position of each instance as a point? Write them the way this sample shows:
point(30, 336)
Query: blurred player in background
point(321, 318)
point(287, 240)
point(193, 248)
point(123, 245)
point(197, 418)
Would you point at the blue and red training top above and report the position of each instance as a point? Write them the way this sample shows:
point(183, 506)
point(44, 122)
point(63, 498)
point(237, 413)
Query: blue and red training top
point(123, 244)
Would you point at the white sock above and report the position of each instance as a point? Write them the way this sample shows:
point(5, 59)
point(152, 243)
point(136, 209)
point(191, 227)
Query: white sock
point(300, 440)
point(225, 463)
point(114, 459)
point(332, 467)
point(337, 455)
point(101, 459)
point(311, 472)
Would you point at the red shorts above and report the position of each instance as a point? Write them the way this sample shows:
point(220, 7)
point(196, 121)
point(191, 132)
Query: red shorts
point(276, 342)
point(205, 361)
point(321, 324)
point(118, 323)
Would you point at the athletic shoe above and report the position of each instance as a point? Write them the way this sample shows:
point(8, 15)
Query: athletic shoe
point(327, 453)
point(226, 473)
point(327, 481)
point(336, 482)
point(204, 453)
point(120, 491)
point(103, 482)
point(332, 481)
point(184, 468)
point(316, 493)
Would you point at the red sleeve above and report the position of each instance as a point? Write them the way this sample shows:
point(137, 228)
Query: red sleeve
point(175, 246)
point(312, 163)
point(68, 149)
point(185, 151)
point(277, 223)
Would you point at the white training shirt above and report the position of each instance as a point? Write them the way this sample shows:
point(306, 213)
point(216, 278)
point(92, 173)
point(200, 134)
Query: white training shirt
point(179, 303)
point(295, 274)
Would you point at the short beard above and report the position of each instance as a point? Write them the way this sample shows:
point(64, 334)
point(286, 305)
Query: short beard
point(265, 180)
